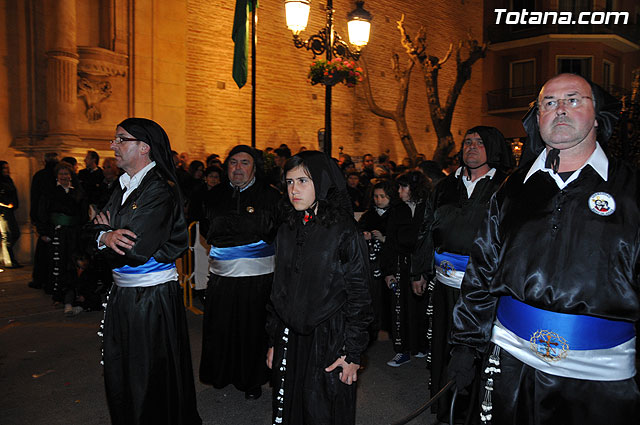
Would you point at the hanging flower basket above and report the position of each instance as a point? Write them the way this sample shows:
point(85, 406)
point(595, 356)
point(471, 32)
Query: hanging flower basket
point(335, 71)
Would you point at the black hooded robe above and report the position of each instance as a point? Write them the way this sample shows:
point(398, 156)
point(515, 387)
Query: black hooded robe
point(451, 221)
point(544, 246)
point(147, 357)
point(321, 309)
point(234, 340)
point(409, 311)
point(380, 296)
point(454, 219)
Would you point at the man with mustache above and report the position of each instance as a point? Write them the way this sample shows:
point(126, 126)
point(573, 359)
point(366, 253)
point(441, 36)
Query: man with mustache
point(240, 225)
point(551, 291)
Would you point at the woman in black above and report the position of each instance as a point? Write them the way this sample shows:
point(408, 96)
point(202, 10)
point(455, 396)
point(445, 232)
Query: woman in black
point(409, 308)
point(8, 224)
point(60, 218)
point(321, 304)
point(373, 224)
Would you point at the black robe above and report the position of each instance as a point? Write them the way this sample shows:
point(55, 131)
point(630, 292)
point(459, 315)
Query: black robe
point(544, 246)
point(60, 216)
point(91, 181)
point(321, 311)
point(234, 340)
point(451, 221)
point(147, 357)
point(380, 295)
point(43, 182)
point(409, 311)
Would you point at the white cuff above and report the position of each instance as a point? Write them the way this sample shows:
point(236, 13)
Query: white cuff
point(100, 244)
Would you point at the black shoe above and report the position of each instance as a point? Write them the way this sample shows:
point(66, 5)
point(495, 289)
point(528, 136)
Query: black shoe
point(253, 393)
point(35, 285)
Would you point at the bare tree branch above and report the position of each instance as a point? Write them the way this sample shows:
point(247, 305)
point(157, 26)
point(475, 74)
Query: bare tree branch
point(403, 76)
point(430, 64)
point(373, 106)
point(447, 56)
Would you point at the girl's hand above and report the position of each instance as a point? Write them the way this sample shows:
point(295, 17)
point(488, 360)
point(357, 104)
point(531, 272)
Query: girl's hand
point(349, 373)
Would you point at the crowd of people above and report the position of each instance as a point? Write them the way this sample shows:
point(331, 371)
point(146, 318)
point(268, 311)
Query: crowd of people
point(518, 283)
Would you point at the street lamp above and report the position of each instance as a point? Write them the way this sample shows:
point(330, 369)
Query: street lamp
point(329, 42)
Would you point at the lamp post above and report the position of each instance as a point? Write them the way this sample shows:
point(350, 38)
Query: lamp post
point(329, 42)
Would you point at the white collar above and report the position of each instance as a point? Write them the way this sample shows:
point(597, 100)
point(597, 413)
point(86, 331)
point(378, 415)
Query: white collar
point(471, 185)
point(380, 211)
point(253, 180)
point(66, 189)
point(130, 183)
point(490, 174)
point(598, 161)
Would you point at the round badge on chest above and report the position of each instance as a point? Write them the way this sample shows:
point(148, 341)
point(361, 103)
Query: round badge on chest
point(602, 203)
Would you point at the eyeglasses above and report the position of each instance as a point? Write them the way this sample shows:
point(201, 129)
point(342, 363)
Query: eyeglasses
point(120, 140)
point(570, 103)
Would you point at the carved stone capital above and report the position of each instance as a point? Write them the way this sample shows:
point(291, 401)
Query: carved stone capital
point(99, 62)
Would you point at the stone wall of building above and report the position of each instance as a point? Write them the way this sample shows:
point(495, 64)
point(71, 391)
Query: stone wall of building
point(171, 61)
point(289, 109)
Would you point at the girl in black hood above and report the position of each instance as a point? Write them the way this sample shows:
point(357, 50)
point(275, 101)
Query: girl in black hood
point(321, 303)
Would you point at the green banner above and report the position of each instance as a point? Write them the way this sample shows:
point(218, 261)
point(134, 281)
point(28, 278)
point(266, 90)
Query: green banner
point(240, 36)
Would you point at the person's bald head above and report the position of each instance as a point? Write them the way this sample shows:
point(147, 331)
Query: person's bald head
point(566, 112)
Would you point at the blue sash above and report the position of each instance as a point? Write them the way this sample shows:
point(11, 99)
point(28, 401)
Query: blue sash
point(149, 267)
point(581, 332)
point(459, 262)
point(258, 249)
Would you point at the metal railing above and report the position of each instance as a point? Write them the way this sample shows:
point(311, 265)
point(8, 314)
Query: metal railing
point(187, 273)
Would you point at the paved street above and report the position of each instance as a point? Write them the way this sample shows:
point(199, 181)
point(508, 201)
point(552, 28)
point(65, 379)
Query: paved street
point(50, 370)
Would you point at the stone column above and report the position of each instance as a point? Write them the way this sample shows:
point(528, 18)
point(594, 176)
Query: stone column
point(62, 66)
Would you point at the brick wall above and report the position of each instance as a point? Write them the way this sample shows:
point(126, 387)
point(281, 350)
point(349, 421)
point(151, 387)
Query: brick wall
point(290, 110)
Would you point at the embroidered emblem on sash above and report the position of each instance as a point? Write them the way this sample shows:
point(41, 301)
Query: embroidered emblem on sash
point(549, 346)
point(250, 209)
point(447, 268)
point(602, 203)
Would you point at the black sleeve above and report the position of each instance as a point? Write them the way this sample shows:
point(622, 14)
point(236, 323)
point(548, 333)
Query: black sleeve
point(42, 213)
point(35, 196)
point(271, 325)
point(90, 231)
point(474, 312)
point(422, 256)
point(389, 252)
point(357, 308)
point(153, 223)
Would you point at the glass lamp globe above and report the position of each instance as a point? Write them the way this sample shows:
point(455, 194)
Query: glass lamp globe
point(359, 26)
point(297, 12)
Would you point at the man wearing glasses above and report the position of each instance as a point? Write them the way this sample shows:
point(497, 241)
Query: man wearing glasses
point(140, 233)
point(551, 294)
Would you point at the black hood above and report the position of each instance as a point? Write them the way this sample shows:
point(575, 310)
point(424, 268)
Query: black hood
point(153, 135)
point(498, 152)
point(255, 154)
point(328, 180)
